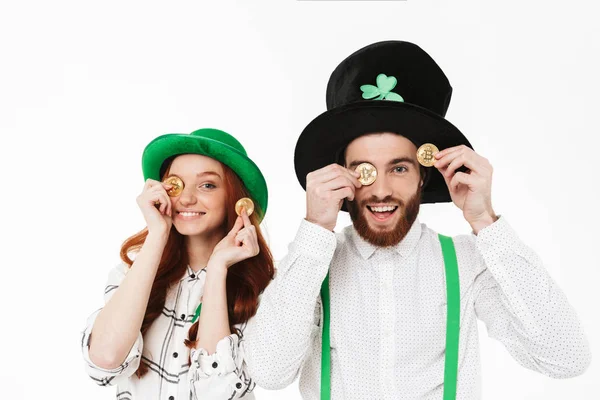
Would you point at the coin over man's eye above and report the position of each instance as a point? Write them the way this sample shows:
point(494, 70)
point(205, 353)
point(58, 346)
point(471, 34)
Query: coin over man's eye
point(368, 173)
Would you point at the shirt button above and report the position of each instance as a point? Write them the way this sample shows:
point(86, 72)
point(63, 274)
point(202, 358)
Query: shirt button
point(238, 385)
point(182, 317)
point(171, 398)
point(175, 355)
point(215, 364)
point(192, 276)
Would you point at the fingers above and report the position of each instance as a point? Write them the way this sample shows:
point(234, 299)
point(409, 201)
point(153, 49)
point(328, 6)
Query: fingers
point(159, 195)
point(341, 182)
point(247, 238)
point(155, 193)
point(447, 158)
point(325, 188)
point(327, 182)
point(246, 218)
point(332, 172)
point(164, 203)
point(152, 184)
point(344, 193)
point(461, 178)
point(239, 223)
point(449, 162)
point(449, 150)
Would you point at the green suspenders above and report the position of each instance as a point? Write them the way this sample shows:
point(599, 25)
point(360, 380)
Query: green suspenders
point(452, 317)
point(452, 325)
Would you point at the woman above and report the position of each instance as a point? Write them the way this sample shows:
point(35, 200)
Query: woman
point(174, 316)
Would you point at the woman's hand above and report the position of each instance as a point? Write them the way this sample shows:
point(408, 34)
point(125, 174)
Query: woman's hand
point(240, 244)
point(155, 204)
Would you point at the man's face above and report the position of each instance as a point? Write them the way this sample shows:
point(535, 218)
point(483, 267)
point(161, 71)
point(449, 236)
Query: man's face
point(383, 212)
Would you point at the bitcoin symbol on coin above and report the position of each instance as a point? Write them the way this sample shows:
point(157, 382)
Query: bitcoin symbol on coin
point(425, 154)
point(368, 173)
point(177, 184)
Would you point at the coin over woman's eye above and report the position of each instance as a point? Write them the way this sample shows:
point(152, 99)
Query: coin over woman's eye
point(177, 184)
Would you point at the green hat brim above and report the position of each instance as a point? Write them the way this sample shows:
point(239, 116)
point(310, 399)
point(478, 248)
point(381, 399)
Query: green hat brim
point(170, 145)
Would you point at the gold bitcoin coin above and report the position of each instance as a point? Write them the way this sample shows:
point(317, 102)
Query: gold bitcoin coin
point(426, 153)
point(368, 173)
point(177, 184)
point(246, 203)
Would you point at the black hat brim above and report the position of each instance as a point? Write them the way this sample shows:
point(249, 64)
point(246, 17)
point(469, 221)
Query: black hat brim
point(325, 137)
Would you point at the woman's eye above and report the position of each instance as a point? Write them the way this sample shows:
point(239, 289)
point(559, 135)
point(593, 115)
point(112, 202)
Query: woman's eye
point(400, 169)
point(207, 186)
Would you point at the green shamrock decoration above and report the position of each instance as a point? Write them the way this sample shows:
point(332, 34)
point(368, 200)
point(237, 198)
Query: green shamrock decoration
point(383, 90)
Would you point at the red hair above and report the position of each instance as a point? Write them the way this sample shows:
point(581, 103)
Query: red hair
point(245, 280)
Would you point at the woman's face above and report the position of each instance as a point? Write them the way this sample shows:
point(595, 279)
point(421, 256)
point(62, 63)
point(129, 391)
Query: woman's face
point(200, 208)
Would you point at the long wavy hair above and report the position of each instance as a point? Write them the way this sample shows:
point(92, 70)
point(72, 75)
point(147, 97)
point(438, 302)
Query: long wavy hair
point(245, 280)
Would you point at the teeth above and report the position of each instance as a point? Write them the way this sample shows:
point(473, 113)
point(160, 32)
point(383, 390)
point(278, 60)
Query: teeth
point(383, 209)
point(189, 214)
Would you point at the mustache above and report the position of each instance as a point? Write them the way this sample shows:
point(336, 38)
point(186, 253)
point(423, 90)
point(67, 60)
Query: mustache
point(375, 199)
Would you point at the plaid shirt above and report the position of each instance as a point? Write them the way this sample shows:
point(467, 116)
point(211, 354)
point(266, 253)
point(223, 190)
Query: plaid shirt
point(221, 375)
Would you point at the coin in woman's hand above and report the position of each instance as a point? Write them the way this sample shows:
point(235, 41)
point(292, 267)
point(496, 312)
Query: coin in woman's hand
point(246, 203)
point(177, 184)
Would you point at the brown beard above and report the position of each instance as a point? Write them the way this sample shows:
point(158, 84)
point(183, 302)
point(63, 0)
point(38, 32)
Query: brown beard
point(390, 237)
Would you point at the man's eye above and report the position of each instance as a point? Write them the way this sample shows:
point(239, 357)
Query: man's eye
point(400, 169)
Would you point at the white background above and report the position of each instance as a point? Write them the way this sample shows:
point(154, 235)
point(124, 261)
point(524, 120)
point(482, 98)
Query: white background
point(84, 86)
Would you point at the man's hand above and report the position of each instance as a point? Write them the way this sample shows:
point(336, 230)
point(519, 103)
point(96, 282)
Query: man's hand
point(470, 191)
point(326, 189)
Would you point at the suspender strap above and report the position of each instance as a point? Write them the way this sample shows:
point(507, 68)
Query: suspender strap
point(325, 346)
point(197, 314)
point(452, 317)
point(452, 325)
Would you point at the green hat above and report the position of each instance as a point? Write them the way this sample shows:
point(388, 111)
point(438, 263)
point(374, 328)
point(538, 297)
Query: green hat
point(215, 144)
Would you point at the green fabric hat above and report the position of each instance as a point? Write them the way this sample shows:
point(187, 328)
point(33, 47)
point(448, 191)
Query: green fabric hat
point(215, 144)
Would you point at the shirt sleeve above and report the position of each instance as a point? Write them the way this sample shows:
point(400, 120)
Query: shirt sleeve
point(103, 376)
point(523, 307)
point(221, 375)
point(279, 337)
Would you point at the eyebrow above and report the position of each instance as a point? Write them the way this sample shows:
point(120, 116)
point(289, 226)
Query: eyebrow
point(393, 162)
point(213, 173)
point(403, 159)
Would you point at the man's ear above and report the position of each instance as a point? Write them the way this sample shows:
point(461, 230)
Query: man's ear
point(424, 175)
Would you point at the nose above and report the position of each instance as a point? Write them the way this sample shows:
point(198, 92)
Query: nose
point(381, 188)
point(187, 196)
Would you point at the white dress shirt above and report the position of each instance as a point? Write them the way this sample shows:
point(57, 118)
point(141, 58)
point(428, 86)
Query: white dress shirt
point(388, 314)
point(221, 375)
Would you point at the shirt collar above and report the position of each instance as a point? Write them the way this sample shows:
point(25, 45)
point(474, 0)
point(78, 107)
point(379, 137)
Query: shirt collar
point(403, 248)
point(191, 275)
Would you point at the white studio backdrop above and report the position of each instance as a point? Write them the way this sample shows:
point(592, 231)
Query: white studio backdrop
point(84, 86)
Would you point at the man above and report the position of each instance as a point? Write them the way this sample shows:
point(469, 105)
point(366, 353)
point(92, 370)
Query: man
point(387, 308)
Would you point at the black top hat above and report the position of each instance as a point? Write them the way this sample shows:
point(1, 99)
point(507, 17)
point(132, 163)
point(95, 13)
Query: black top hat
point(390, 86)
